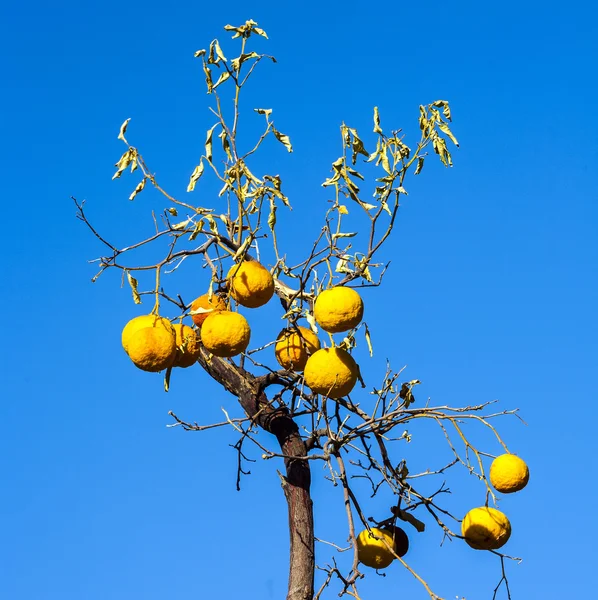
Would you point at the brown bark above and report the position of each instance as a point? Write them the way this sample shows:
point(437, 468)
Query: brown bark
point(297, 479)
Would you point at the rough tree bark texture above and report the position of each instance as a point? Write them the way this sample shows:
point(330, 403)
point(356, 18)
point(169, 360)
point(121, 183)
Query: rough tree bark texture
point(297, 480)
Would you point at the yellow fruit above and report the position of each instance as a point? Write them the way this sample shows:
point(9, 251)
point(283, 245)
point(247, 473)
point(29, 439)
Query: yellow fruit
point(486, 528)
point(225, 333)
point(250, 284)
point(152, 348)
point(187, 346)
point(204, 302)
point(331, 372)
point(140, 322)
point(374, 552)
point(338, 309)
point(508, 473)
point(293, 347)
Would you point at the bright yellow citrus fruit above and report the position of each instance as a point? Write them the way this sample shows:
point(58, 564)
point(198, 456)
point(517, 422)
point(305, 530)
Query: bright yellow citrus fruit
point(140, 322)
point(152, 348)
point(225, 333)
point(331, 372)
point(187, 346)
point(338, 309)
point(293, 347)
point(486, 528)
point(374, 552)
point(508, 473)
point(250, 284)
point(209, 305)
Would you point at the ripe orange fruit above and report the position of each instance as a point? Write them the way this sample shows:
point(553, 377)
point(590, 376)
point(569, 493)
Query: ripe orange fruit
point(331, 372)
point(250, 284)
point(140, 322)
point(508, 473)
point(486, 528)
point(152, 348)
point(204, 303)
point(225, 333)
point(371, 549)
point(338, 309)
point(294, 346)
point(187, 346)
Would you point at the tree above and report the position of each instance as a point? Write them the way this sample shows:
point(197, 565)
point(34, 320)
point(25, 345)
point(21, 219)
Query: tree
point(310, 420)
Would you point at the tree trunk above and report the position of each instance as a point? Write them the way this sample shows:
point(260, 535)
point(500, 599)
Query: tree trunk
point(297, 480)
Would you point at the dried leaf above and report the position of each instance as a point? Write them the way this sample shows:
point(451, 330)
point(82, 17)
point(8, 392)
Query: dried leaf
point(272, 215)
point(215, 55)
point(139, 187)
point(208, 75)
point(337, 236)
point(225, 144)
point(342, 209)
point(219, 51)
point(423, 120)
point(197, 173)
point(275, 181)
point(368, 339)
point(263, 111)
point(223, 77)
point(236, 63)
point(199, 53)
point(228, 185)
point(124, 161)
point(181, 225)
point(282, 138)
point(446, 130)
point(355, 173)
point(420, 165)
point(235, 29)
point(133, 283)
point(198, 229)
point(209, 142)
point(357, 146)
point(366, 205)
point(342, 266)
point(242, 251)
point(167, 379)
point(245, 30)
point(123, 129)
point(212, 223)
point(383, 158)
point(406, 393)
point(446, 111)
point(377, 128)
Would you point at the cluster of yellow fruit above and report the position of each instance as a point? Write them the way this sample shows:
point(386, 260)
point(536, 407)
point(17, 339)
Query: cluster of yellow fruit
point(333, 371)
point(483, 528)
point(154, 344)
point(487, 528)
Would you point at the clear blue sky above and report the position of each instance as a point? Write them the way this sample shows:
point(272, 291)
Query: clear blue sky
point(492, 294)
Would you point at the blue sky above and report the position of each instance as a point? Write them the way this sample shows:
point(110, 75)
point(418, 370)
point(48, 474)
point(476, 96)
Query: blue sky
point(492, 292)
